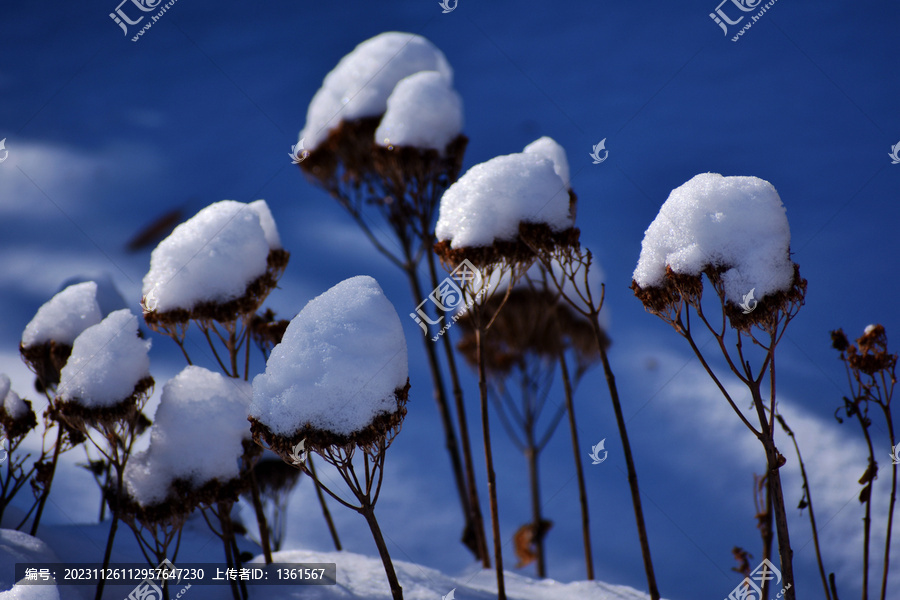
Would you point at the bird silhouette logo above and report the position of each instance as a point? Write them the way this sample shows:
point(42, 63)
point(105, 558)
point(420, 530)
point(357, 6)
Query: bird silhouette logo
point(452, 594)
point(596, 152)
point(150, 302)
point(748, 303)
point(895, 455)
point(445, 4)
point(299, 453)
point(595, 452)
point(6, 152)
point(298, 154)
point(895, 153)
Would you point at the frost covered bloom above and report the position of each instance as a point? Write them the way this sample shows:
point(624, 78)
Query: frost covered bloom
point(48, 337)
point(339, 377)
point(218, 265)
point(485, 214)
point(735, 231)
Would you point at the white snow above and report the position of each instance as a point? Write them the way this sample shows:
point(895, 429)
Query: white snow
point(64, 316)
point(338, 365)
point(107, 361)
point(549, 148)
point(869, 329)
point(197, 434)
point(109, 298)
point(360, 84)
point(212, 256)
point(490, 200)
point(19, 547)
point(734, 222)
point(423, 111)
point(14, 406)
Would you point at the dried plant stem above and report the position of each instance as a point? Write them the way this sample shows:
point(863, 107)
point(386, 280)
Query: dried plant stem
point(45, 493)
point(629, 459)
point(867, 519)
point(489, 459)
point(475, 518)
point(809, 502)
point(890, 520)
point(532, 453)
point(440, 396)
point(368, 512)
point(579, 468)
point(260, 516)
point(325, 512)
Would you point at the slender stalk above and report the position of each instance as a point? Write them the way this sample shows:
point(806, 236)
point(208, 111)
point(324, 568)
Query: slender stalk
point(476, 519)
point(368, 511)
point(489, 461)
point(325, 512)
point(440, 396)
point(260, 516)
point(579, 468)
point(534, 479)
point(629, 460)
point(890, 519)
point(45, 493)
point(113, 527)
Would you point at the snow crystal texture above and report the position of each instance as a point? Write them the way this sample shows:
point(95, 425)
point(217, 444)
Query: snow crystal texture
point(338, 364)
point(490, 200)
point(424, 111)
point(107, 361)
point(211, 257)
point(64, 316)
point(197, 435)
point(10, 401)
point(361, 82)
point(734, 222)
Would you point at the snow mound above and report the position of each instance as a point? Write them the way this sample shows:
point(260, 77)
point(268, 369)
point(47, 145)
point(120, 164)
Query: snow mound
point(107, 362)
point(734, 222)
point(490, 200)
point(197, 435)
point(424, 111)
point(19, 547)
point(338, 365)
point(10, 401)
point(360, 84)
point(549, 148)
point(109, 298)
point(211, 257)
point(63, 317)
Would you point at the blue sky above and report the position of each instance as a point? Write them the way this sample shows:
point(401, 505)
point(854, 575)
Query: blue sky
point(105, 134)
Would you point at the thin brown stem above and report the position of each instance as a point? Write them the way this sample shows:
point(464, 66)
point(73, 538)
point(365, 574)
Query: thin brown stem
point(368, 511)
point(325, 512)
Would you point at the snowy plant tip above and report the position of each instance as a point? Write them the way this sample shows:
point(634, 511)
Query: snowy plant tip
point(339, 375)
point(109, 365)
point(16, 416)
point(219, 264)
point(423, 111)
point(736, 225)
point(64, 316)
point(492, 199)
point(360, 84)
point(197, 439)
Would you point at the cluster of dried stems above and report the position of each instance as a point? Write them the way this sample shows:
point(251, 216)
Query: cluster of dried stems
point(676, 300)
point(339, 451)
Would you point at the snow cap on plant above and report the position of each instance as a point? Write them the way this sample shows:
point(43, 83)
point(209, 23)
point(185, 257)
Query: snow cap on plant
point(108, 371)
point(16, 416)
point(218, 265)
point(870, 353)
point(735, 231)
point(48, 337)
point(488, 213)
point(197, 440)
point(339, 377)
